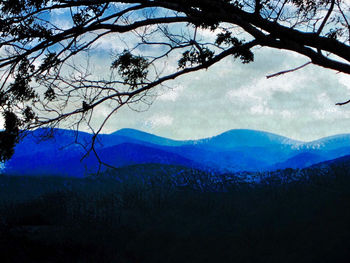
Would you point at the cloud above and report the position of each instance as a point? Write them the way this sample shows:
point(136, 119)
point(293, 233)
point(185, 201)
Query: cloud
point(61, 18)
point(171, 94)
point(261, 110)
point(345, 80)
point(60, 11)
point(159, 121)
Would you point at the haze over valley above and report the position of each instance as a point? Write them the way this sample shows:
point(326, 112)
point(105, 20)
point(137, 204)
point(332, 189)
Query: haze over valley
point(233, 151)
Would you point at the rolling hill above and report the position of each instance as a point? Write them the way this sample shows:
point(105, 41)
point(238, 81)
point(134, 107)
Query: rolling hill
point(231, 151)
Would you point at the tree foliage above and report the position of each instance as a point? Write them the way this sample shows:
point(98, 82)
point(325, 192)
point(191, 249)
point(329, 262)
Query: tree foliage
point(42, 43)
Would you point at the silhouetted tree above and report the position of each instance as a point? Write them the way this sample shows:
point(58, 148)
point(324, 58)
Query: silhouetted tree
point(43, 82)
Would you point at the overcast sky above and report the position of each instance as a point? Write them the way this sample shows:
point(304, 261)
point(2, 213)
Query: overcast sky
point(231, 95)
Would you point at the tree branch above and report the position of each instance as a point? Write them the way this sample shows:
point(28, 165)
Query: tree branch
point(287, 71)
point(330, 10)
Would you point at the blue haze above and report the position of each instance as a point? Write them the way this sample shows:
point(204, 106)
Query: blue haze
point(232, 151)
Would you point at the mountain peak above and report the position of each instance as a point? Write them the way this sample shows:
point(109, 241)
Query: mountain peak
point(146, 137)
point(247, 138)
point(123, 130)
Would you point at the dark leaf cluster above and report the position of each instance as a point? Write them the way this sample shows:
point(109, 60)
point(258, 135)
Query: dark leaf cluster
point(309, 7)
point(133, 69)
point(9, 137)
point(195, 57)
point(50, 61)
point(244, 54)
point(20, 90)
point(18, 6)
point(50, 94)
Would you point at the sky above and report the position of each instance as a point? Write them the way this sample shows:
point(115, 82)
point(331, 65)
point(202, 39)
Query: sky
point(232, 95)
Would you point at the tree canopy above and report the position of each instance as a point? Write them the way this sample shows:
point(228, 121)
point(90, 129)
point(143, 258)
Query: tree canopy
point(42, 43)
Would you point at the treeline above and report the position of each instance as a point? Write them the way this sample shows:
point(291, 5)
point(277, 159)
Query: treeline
point(152, 214)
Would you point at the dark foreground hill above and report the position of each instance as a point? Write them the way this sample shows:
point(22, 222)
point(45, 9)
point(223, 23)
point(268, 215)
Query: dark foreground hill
point(137, 214)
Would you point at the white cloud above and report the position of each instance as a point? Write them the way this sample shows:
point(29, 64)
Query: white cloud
point(261, 109)
point(159, 121)
point(286, 114)
point(171, 94)
point(345, 80)
point(59, 11)
point(63, 24)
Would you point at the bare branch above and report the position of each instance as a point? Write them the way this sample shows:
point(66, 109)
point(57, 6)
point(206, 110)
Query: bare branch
point(342, 103)
point(288, 71)
point(330, 10)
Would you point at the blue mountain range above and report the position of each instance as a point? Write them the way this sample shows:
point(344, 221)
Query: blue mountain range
point(61, 152)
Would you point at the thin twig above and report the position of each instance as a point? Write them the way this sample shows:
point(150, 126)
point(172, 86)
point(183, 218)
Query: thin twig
point(342, 103)
point(287, 71)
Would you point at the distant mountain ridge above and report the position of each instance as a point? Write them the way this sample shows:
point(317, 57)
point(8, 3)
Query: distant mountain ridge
point(147, 137)
point(231, 151)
